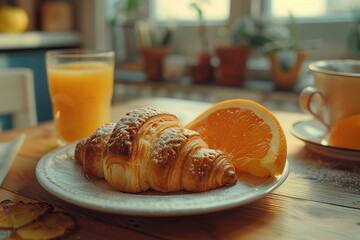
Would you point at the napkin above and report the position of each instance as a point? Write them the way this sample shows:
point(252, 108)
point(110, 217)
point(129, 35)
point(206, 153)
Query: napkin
point(8, 151)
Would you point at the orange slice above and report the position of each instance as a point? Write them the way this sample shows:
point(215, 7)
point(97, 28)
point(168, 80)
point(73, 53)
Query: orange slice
point(247, 132)
point(346, 133)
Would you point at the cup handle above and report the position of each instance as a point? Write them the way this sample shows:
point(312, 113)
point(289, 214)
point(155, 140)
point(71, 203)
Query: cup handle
point(305, 100)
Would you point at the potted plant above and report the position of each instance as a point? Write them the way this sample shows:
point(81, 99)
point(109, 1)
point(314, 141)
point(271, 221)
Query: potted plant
point(123, 23)
point(246, 34)
point(286, 58)
point(202, 71)
point(154, 44)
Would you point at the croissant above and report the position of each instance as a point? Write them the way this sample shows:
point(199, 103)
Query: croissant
point(149, 149)
point(89, 151)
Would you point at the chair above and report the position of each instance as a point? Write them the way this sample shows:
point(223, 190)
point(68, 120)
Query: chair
point(17, 96)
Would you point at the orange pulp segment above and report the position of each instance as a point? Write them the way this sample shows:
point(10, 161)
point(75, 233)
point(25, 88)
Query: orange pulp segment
point(247, 132)
point(346, 133)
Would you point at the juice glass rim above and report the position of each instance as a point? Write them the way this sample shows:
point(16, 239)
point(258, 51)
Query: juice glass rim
point(79, 53)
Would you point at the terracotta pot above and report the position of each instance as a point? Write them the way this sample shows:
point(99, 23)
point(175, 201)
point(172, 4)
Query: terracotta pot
point(201, 74)
point(232, 68)
point(153, 59)
point(285, 80)
point(204, 59)
point(203, 71)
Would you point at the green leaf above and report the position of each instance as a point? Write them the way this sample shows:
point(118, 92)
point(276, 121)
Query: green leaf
point(132, 5)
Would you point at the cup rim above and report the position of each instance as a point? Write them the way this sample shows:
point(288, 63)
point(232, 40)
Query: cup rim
point(79, 53)
point(317, 67)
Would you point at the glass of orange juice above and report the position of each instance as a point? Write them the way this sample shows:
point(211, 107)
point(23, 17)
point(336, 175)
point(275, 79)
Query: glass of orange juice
point(81, 87)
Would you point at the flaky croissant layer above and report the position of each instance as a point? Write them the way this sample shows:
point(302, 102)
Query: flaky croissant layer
point(149, 149)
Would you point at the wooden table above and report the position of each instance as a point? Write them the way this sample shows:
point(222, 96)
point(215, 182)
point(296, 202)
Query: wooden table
point(319, 200)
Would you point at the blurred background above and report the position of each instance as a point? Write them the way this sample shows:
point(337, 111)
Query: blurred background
point(181, 48)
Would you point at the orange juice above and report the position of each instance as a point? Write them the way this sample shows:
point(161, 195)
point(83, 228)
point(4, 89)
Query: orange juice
point(81, 96)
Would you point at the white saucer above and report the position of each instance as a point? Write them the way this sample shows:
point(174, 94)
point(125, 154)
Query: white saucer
point(313, 133)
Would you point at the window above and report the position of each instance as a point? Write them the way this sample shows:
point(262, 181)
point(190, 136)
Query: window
point(215, 11)
point(330, 9)
point(332, 23)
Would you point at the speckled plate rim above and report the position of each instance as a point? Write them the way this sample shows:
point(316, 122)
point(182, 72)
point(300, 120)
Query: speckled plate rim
point(61, 176)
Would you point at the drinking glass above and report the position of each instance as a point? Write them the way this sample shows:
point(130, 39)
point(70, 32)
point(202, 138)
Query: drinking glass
point(81, 88)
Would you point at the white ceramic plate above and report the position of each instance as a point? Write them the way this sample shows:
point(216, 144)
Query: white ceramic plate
point(313, 133)
point(60, 175)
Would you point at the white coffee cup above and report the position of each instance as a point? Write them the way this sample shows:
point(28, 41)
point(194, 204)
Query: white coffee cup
point(336, 94)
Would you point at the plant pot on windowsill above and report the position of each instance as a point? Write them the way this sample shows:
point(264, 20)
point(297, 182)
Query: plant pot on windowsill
point(203, 71)
point(153, 59)
point(285, 68)
point(232, 64)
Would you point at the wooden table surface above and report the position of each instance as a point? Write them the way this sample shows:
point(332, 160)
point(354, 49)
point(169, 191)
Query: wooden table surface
point(319, 200)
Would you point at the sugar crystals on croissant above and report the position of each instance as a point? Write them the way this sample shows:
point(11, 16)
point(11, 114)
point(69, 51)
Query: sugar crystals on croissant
point(149, 149)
